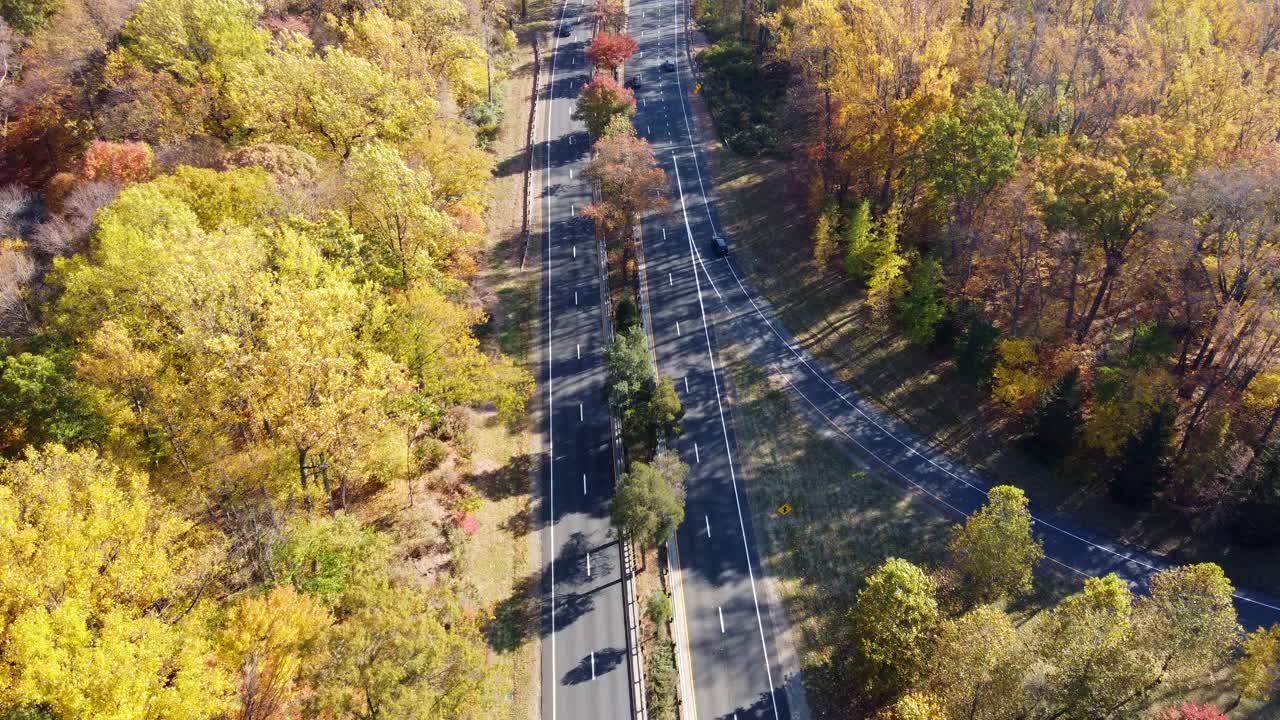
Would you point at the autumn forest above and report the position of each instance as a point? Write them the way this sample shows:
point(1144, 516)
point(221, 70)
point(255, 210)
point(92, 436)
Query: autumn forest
point(236, 244)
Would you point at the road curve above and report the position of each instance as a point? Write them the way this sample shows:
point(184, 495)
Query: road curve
point(739, 315)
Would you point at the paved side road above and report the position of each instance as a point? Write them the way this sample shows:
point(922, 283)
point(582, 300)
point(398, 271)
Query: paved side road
point(902, 457)
point(728, 617)
point(585, 673)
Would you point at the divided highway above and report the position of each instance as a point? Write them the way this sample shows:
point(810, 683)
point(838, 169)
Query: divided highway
point(585, 673)
point(725, 632)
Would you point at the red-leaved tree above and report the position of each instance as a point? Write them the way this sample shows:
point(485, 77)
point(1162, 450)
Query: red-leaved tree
point(608, 15)
point(125, 162)
point(609, 51)
point(630, 181)
point(1193, 711)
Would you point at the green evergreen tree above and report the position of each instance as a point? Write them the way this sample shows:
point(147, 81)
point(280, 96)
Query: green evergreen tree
point(1259, 521)
point(861, 251)
point(1055, 420)
point(1144, 462)
point(976, 350)
point(923, 306)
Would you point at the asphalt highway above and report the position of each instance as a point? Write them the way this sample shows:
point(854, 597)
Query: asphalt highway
point(584, 648)
point(739, 316)
point(731, 646)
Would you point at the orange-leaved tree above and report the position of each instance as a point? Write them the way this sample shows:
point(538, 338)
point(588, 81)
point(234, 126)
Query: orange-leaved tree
point(609, 51)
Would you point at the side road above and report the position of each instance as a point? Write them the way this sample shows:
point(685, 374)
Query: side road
point(899, 455)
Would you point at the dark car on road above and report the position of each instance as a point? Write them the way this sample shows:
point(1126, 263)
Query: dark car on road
point(719, 245)
point(668, 66)
point(633, 82)
point(566, 30)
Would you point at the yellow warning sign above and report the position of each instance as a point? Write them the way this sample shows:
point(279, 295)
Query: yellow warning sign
point(784, 508)
point(697, 88)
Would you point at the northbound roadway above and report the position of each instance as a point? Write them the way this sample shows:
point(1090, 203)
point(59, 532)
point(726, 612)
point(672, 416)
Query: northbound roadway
point(585, 662)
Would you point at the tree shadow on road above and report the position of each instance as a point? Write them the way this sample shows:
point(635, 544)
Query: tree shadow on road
point(589, 669)
point(528, 610)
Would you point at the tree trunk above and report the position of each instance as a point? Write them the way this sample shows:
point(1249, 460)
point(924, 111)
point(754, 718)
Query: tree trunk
point(1104, 285)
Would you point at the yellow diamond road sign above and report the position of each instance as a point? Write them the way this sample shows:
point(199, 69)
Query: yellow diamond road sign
point(784, 508)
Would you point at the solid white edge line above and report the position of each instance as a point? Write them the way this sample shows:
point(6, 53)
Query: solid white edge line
point(724, 429)
point(675, 17)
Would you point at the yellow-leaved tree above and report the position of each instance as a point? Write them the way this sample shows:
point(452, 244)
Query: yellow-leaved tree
point(99, 595)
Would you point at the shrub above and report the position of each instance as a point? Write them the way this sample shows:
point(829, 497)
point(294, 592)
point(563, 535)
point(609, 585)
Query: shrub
point(126, 162)
point(976, 350)
point(1192, 711)
point(659, 608)
point(626, 316)
point(662, 681)
point(466, 522)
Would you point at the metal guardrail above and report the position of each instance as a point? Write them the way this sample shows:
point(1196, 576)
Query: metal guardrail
point(528, 151)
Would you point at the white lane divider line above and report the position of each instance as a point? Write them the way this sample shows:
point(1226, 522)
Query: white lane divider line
point(696, 457)
point(686, 383)
point(578, 347)
point(575, 297)
point(724, 427)
point(670, 280)
point(721, 614)
point(570, 173)
point(647, 131)
point(573, 210)
point(664, 233)
point(575, 251)
point(579, 412)
point(588, 563)
point(677, 328)
point(551, 404)
point(584, 483)
point(708, 521)
point(593, 665)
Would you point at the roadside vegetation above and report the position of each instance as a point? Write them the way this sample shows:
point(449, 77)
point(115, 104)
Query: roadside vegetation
point(242, 373)
point(897, 615)
point(1067, 288)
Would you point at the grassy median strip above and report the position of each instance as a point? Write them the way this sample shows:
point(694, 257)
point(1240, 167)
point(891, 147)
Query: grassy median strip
point(843, 522)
